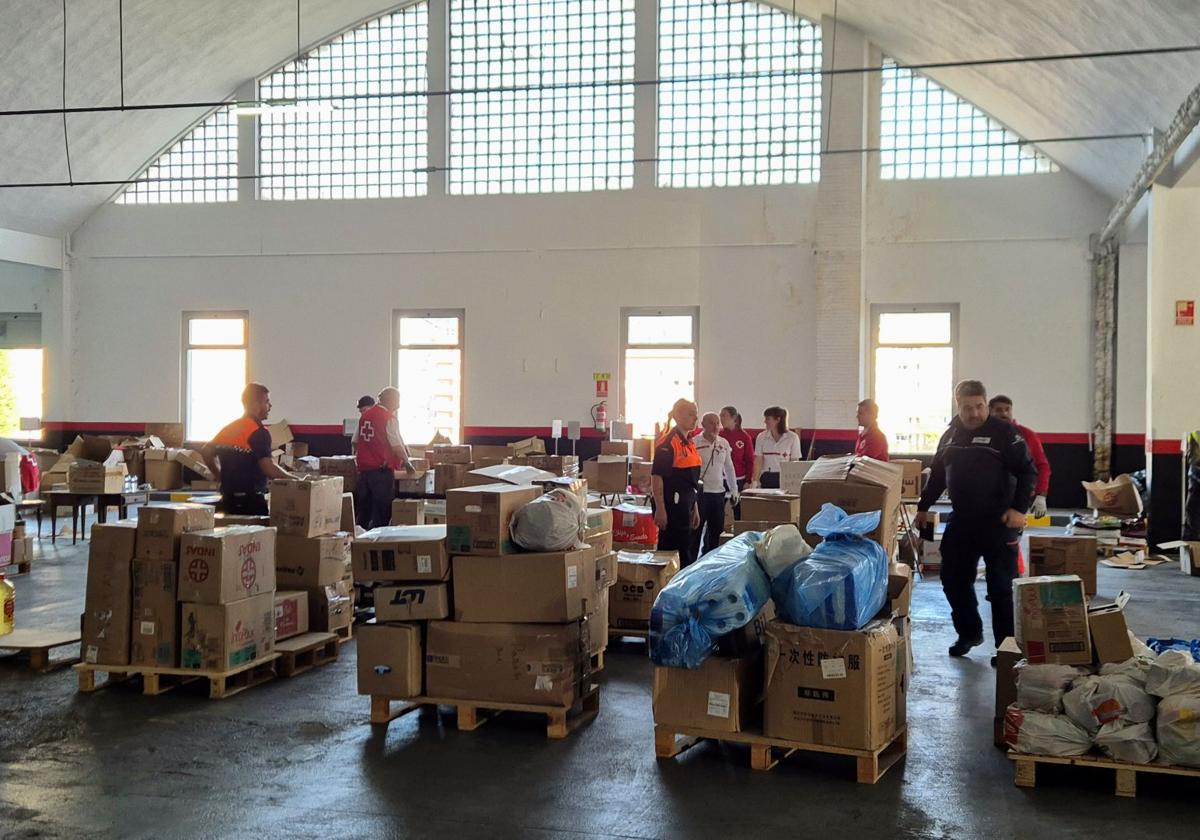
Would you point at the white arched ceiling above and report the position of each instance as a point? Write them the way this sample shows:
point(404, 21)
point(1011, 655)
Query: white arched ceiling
point(183, 50)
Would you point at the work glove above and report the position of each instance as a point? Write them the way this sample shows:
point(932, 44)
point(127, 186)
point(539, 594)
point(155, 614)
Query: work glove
point(1039, 507)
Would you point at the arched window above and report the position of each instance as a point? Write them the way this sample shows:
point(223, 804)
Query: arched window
point(739, 99)
point(354, 118)
point(199, 167)
point(925, 131)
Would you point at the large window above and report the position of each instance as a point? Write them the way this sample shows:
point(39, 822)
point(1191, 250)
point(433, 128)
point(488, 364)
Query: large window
point(543, 102)
point(925, 131)
point(913, 374)
point(215, 371)
point(21, 375)
point(739, 100)
point(200, 167)
point(658, 363)
point(362, 133)
point(429, 365)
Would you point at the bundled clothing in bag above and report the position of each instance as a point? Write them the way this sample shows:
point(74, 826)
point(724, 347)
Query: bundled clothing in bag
point(1094, 702)
point(552, 522)
point(1039, 733)
point(1040, 688)
point(1128, 742)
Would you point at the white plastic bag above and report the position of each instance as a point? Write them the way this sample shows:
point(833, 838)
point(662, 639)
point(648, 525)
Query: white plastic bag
point(1179, 730)
point(1132, 742)
point(780, 548)
point(1038, 733)
point(552, 522)
point(1040, 688)
point(1174, 672)
point(1093, 702)
point(1136, 669)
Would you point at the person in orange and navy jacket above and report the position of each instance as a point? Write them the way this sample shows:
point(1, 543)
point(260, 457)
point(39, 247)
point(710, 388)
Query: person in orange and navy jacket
point(379, 452)
point(871, 440)
point(675, 477)
point(240, 456)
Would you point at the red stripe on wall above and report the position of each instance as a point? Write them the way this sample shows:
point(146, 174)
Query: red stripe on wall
point(1064, 437)
point(316, 429)
point(1164, 446)
point(830, 434)
point(59, 426)
point(1129, 440)
point(524, 431)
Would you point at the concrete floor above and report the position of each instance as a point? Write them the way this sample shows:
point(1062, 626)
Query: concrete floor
point(296, 758)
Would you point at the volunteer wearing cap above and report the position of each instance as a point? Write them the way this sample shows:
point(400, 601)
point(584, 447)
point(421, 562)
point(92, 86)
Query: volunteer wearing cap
point(380, 452)
point(240, 456)
point(1001, 407)
point(774, 445)
point(871, 441)
point(985, 465)
point(717, 479)
point(742, 446)
point(675, 475)
point(364, 403)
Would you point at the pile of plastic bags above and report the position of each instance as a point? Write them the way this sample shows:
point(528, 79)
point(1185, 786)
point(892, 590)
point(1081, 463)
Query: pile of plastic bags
point(1175, 677)
point(552, 522)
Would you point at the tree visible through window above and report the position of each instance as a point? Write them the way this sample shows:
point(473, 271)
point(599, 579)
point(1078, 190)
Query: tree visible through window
point(21, 372)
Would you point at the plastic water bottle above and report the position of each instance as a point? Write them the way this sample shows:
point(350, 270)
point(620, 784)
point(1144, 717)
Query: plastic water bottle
point(8, 606)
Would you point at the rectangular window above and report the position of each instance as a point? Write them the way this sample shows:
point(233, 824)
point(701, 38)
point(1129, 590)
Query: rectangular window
point(215, 370)
point(912, 372)
point(429, 366)
point(658, 363)
point(21, 375)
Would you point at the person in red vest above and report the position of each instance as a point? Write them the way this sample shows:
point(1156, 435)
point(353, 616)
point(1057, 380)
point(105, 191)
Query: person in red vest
point(240, 456)
point(380, 451)
point(871, 440)
point(1001, 407)
point(675, 476)
point(742, 445)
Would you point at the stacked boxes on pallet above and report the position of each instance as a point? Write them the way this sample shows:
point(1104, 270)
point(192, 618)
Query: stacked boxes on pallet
point(450, 465)
point(312, 555)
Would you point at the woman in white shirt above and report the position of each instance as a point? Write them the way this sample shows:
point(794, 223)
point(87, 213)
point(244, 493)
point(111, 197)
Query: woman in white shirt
point(773, 446)
point(717, 478)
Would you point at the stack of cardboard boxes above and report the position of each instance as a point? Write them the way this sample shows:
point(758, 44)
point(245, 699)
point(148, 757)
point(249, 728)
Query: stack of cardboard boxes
point(450, 465)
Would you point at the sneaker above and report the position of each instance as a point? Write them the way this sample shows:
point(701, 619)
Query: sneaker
point(993, 662)
point(962, 646)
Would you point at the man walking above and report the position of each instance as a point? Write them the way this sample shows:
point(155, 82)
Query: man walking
point(379, 452)
point(716, 478)
point(986, 467)
point(1001, 407)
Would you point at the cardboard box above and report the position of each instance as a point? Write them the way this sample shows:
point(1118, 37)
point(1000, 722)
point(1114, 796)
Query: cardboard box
point(899, 594)
point(448, 477)
point(408, 512)
point(478, 518)
point(404, 553)
point(348, 523)
point(641, 477)
point(634, 524)
point(855, 484)
point(449, 454)
point(307, 508)
point(550, 587)
point(412, 602)
point(607, 476)
point(108, 606)
point(831, 687)
point(565, 465)
point(1110, 635)
point(791, 475)
point(528, 446)
point(221, 520)
point(22, 549)
point(161, 527)
point(312, 562)
point(538, 664)
point(226, 564)
point(1007, 657)
point(616, 447)
point(340, 466)
point(910, 486)
point(640, 576)
point(171, 434)
point(1064, 556)
point(391, 662)
point(771, 506)
point(154, 629)
point(597, 623)
point(162, 474)
point(281, 434)
point(1189, 555)
point(296, 449)
point(291, 614)
point(218, 637)
point(506, 474)
point(606, 570)
point(331, 607)
point(1051, 620)
point(742, 526)
point(92, 477)
point(722, 695)
point(1119, 497)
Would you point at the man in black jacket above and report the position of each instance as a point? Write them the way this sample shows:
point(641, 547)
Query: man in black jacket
point(986, 466)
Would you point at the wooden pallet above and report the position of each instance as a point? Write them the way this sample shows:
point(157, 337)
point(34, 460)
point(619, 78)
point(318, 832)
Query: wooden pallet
point(305, 652)
point(35, 645)
point(628, 633)
point(1025, 767)
point(344, 634)
point(670, 741)
point(22, 568)
point(597, 662)
point(155, 681)
point(561, 721)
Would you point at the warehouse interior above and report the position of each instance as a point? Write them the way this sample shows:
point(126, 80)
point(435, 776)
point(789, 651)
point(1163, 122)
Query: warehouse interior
point(544, 222)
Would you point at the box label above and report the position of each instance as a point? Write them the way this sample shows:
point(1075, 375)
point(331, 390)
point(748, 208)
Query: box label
point(424, 564)
point(443, 660)
point(543, 683)
point(93, 653)
point(833, 669)
point(572, 577)
point(147, 628)
point(718, 704)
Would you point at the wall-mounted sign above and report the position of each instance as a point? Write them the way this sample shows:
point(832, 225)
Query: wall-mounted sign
point(1185, 313)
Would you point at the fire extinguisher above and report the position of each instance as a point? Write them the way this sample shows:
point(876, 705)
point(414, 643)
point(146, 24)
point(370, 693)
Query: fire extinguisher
point(600, 416)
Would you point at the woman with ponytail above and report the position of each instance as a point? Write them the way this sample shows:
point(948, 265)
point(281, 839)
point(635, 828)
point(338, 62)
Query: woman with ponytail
point(675, 476)
point(742, 445)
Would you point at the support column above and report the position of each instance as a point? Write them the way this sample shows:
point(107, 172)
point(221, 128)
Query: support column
point(645, 97)
point(437, 70)
point(247, 145)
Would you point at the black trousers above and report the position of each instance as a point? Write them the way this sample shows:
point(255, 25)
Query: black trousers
point(244, 504)
point(1191, 509)
point(737, 509)
point(712, 523)
point(373, 502)
point(677, 536)
point(962, 545)
point(769, 480)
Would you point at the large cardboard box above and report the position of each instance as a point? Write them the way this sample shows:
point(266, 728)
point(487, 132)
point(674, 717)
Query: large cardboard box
point(93, 477)
point(770, 506)
point(344, 467)
point(154, 630)
point(722, 695)
point(831, 687)
point(311, 562)
point(609, 474)
point(1119, 497)
point(634, 524)
point(162, 471)
point(447, 477)
point(161, 527)
point(597, 622)
point(566, 465)
point(217, 637)
point(307, 508)
point(449, 454)
point(390, 660)
point(406, 553)
point(910, 487)
point(171, 434)
point(226, 564)
point(412, 602)
point(750, 639)
point(528, 446)
point(108, 606)
point(855, 484)
point(640, 577)
point(791, 474)
point(331, 607)
point(1064, 556)
point(1110, 634)
point(538, 664)
point(1051, 620)
point(1007, 657)
point(478, 518)
point(291, 614)
point(551, 587)
point(408, 512)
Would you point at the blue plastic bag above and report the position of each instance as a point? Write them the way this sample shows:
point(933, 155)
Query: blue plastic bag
point(843, 583)
point(719, 593)
point(1163, 645)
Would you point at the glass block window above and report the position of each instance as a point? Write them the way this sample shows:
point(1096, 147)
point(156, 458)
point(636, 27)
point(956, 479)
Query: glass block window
point(928, 132)
point(543, 99)
point(200, 167)
point(739, 97)
point(357, 135)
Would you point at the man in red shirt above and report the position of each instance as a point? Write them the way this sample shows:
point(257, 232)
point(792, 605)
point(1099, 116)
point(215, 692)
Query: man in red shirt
point(871, 441)
point(379, 453)
point(1001, 407)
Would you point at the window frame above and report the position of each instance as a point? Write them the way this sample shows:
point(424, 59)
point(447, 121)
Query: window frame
point(187, 347)
point(461, 347)
point(633, 311)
